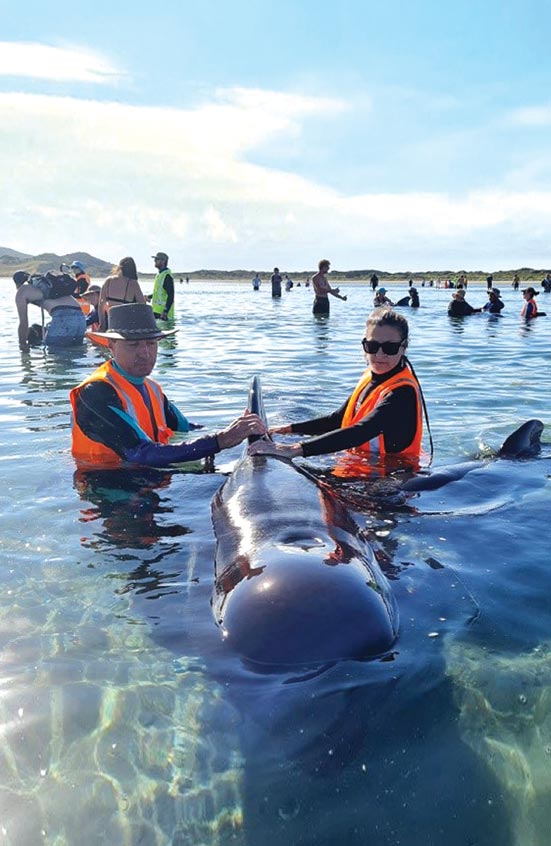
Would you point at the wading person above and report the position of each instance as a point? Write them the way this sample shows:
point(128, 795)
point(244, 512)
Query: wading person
point(121, 417)
point(162, 300)
point(459, 307)
point(383, 414)
point(119, 288)
point(68, 323)
point(322, 289)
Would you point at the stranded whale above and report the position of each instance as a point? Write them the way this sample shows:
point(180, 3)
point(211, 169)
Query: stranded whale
point(295, 580)
point(524, 442)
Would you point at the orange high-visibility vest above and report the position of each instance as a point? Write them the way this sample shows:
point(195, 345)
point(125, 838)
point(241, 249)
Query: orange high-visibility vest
point(152, 422)
point(354, 413)
point(534, 307)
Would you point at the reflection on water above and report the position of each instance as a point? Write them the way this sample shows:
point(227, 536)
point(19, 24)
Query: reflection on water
point(124, 718)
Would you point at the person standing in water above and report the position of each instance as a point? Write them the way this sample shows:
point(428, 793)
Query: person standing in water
point(121, 417)
point(530, 307)
point(322, 289)
point(383, 414)
point(162, 300)
point(276, 283)
point(119, 288)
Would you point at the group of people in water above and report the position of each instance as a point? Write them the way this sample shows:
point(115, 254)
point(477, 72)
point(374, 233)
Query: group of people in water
point(75, 305)
point(459, 307)
point(122, 417)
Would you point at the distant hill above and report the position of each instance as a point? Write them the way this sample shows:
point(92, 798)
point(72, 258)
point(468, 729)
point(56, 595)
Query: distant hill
point(7, 254)
point(12, 260)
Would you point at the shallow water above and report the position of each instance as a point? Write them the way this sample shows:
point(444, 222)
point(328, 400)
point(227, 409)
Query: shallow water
point(124, 719)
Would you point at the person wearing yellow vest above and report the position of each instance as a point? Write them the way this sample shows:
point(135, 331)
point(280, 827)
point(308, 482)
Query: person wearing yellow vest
point(162, 300)
point(121, 417)
point(382, 416)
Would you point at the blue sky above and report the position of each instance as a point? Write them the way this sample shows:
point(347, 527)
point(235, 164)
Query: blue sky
point(400, 136)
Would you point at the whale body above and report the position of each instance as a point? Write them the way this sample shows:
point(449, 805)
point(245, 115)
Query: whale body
point(524, 442)
point(295, 581)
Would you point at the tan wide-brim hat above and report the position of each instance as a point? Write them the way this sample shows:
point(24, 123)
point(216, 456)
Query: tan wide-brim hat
point(132, 322)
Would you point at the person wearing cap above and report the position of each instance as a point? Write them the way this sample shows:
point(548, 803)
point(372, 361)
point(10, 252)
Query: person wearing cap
point(494, 304)
point(530, 307)
point(381, 299)
point(82, 278)
point(119, 288)
point(322, 289)
point(121, 417)
point(459, 307)
point(162, 300)
point(67, 326)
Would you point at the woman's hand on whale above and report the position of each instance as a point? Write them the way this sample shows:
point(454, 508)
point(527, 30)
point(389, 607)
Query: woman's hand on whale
point(271, 448)
point(239, 429)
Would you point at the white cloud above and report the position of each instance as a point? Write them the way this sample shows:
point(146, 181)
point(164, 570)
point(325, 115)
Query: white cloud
point(82, 174)
point(217, 228)
point(64, 64)
point(531, 116)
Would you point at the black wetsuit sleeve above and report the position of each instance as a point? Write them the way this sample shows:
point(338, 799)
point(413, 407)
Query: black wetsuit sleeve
point(97, 417)
point(168, 285)
point(395, 418)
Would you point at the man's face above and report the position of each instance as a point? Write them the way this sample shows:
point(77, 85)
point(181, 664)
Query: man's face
point(160, 263)
point(137, 358)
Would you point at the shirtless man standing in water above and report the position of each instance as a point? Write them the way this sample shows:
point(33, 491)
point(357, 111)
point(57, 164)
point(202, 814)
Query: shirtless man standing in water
point(322, 288)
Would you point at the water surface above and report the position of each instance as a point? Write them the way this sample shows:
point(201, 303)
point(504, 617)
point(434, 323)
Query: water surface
point(124, 719)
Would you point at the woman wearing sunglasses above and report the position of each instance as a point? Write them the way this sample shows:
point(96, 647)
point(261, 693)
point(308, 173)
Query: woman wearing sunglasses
point(382, 416)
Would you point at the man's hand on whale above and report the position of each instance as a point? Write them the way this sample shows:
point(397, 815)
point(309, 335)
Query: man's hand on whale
point(241, 428)
point(271, 448)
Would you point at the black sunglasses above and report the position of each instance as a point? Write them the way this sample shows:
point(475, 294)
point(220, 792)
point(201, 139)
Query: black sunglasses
point(388, 347)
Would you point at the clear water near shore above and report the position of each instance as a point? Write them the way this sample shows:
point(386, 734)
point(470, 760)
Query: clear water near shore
point(123, 718)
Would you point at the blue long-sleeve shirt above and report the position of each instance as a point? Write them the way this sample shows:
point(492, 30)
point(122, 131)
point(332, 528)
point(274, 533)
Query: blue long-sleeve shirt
point(101, 416)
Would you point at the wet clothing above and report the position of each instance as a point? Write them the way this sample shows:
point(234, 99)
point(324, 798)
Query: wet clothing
point(276, 285)
point(82, 283)
point(395, 417)
point(163, 294)
point(460, 308)
point(108, 299)
point(529, 309)
point(92, 319)
point(121, 419)
point(321, 305)
point(367, 396)
point(66, 328)
point(493, 306)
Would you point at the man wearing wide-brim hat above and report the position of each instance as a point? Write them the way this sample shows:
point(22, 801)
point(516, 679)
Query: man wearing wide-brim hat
point(495, 304)
point(459, 307)
point(121, 417)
